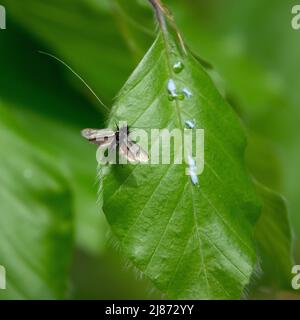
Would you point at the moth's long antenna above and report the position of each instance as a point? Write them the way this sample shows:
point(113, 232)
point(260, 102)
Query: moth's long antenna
point(78, 76)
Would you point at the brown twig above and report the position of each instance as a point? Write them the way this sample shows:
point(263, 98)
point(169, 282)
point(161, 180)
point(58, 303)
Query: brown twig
point(161, 13)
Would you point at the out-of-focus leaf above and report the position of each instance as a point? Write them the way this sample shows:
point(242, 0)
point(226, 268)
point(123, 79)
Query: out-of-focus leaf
point(83, 34)
point(191, 241)
point(50, 116)
point(263, 160)
point(135, 21)
point(36, 220)
point(273, 231)
point(105, 277)
point(275, 241)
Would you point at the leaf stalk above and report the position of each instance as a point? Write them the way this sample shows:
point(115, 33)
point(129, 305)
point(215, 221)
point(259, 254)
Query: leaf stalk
point(162, 12)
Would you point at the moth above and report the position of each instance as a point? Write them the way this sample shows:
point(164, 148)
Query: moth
point(111, 139)
point(107, 138)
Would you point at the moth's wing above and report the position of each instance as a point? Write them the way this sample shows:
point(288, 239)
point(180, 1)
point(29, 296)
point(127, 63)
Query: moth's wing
point(133, 152)
point(101, 137)
point(109, 152)
point(91, 134)
point(106, 142)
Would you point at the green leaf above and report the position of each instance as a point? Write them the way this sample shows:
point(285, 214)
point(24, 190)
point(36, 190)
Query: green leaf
point(275, 241)
point(256, 54)
point(36, 220)
point(191, 241)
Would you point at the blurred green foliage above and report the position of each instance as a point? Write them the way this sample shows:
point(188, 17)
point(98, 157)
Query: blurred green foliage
point(48, 174)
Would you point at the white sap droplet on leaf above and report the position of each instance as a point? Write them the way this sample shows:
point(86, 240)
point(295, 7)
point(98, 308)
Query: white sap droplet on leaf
point(172, 87)
point(190, 124)
point(187, 93)
point(194, 179)
point(193, 170)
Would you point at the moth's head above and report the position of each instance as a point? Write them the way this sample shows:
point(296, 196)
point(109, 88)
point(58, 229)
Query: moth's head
point(123, 130)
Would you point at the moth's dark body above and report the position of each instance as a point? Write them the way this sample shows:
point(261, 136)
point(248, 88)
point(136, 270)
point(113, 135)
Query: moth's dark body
point(120, 132)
